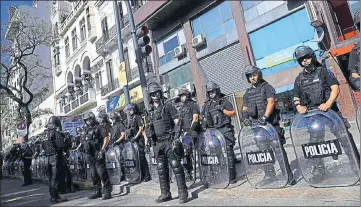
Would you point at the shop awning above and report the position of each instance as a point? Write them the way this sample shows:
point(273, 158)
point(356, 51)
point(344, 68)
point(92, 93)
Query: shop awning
point(283, 80)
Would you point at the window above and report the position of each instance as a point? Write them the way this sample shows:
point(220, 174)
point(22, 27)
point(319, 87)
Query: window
point(74, 39)
point(166, 46)
point(105, 28)
point(248, 4)
point(98, 80)
point(56, 54)
point(180, 76)
point(215, 22)
point(88, 19)
point(109, 67)
point(82, 30)
point(67, 49)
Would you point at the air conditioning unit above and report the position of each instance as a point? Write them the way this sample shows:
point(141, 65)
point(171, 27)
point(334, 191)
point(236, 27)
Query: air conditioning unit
point(58, 70)
point(198, 41)
point(179, 51)
point(313, 13)
point(173, 92)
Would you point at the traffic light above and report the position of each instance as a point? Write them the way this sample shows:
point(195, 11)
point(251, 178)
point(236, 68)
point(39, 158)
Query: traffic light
point(143, 41)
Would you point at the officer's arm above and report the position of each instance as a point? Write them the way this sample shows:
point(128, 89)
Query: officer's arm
point(106, 137)
point(229, 110)
point(122, 136)
point(196, 113)
point(335, 90)
point(140, 125)
point(79, 146)
point(270, 106)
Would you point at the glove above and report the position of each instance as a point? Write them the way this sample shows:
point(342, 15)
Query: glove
point(263, 120)
point(101, 154)
point(220, 108)
point(247, 122)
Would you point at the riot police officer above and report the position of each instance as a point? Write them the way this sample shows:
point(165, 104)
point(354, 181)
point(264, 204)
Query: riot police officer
point(67, 177)
point(26, 156)
point(217, 112)
point(96, 141)
point(117, 138)
point(162, 118)
point(189, 123)
point(317, 87)
point(354, 60)
point(259, 104)
point(135, 133)
point(54, 148)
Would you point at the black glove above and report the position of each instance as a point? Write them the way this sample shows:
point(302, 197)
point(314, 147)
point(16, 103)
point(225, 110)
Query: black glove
point(220, 108)
point(247, 122)
point(101, 154)
point(263, 120)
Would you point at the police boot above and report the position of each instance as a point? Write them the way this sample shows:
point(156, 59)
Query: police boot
point(164, 183)
point(318, 172)
point(181, 181)
point(97, 194)
point(56, 198)
point(286, 168)
point(270, 175)
point(232, 165)
point(107, 193)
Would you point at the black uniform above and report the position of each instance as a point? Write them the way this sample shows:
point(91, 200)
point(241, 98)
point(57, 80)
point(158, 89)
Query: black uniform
point(215, 118)
point(54, 148)
point(134, 124)
point(161, 129)
point(94, 137)
point(66, 178)
point(313, 87)
point(354, 66)
point(26, 154)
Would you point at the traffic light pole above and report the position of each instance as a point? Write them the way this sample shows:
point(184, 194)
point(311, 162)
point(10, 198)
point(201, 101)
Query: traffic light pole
point(143, 81)
point(119, 26)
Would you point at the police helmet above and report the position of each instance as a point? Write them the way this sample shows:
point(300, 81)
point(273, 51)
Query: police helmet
point(115, 116)
point(184, 91)
point(154, 87)
point(302, 52)
point(250, 70)
point(103, 118)
point(53, 122)
point(212, 86)
point(89, 118)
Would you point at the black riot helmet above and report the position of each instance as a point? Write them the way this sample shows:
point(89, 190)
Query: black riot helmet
point(54, 123)
point(250, 70)
point(89, 118)
point(356, 19)
point(212, 86)
point(130, 107)
point(115, 116)
point(103, 118)
point(303, 52)
point(184, 91)
point(155, 91)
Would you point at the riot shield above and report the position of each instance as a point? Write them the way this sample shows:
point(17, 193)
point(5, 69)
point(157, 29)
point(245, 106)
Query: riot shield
point(80, 166)
point(358, 118)
point(213, 160)
point(73, 163)
point(38, 167)
point(112, 160)
point(33, 167)
point(189, 160)
point(263, 156)
point(16, 168)
point(132, 166)
point(21, 166)
point(324, 149)
point(42, 166)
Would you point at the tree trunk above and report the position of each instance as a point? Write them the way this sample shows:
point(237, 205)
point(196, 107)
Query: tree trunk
point(28, 122)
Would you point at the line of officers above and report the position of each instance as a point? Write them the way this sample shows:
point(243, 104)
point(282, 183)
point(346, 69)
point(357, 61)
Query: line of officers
point(315, 87)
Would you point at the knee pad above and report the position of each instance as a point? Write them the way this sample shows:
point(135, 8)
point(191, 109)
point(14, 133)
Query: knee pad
point(160, 164)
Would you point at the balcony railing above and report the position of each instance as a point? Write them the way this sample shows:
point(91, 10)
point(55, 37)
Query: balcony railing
point(114, 84)
point(72, 16)
point(80, 102)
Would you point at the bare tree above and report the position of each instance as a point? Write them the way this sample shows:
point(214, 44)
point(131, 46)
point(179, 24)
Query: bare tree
point(23, 72)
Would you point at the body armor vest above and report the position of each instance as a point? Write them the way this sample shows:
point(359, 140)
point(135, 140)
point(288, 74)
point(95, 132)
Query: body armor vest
point(116, 131)
point(54, 142)
point(92, 140)
point(311, 87)
point(257, 101)
point(186, 116)
point(215, 118)
point(161, 121)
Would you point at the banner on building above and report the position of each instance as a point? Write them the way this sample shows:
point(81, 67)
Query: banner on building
point(119, 101)
point(122, 74)
point(70, 123)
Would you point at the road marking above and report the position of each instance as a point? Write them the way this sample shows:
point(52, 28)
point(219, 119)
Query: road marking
point(21, 197)
point(25, 191)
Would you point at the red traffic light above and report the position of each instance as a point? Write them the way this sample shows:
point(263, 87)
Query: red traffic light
point(142, 31)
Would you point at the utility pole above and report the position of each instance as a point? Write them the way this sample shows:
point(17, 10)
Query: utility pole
point(119, 26)
point(143, 81)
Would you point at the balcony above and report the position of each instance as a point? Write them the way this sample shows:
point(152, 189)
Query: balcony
point(81, 103)
point(104, 44)
point(113, 88)
point(70, 19)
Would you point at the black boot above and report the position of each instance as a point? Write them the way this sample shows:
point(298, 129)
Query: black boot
point(318, 173)
point(164, 183)
point(232, 165)
point(97, 194)
point(270, 175)
point(107, 193)
point(56, 198)
point(181, 181)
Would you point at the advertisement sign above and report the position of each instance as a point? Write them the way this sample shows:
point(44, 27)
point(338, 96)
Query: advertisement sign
point(69, 124)
point(119, 101)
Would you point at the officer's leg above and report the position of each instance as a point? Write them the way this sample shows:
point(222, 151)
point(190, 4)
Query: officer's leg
point(318, 172)
point(179, 176)
point(53, 181)
point(163, 172)
point(95, 178)
point(104, 176)
point(144, 165)
point(27, 165)
point(69, 181)
point(269, 170)
point(282, 155)
point(229, 136)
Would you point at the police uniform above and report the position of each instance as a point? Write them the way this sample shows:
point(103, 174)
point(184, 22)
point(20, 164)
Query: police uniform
point(314, 88)
point(135, 123)
point(94, 136)
point(354, 66)
point(26, 157)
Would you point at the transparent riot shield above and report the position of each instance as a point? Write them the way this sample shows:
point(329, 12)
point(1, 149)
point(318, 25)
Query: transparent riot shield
point(33, 167)
point(38, 167)
point(132, 166)
point(213, 160)
point(189, 160)
point(21, 166)
point(73, 163)
point(263, 156)
point(80, 166)
point(16, 168)
point(112, 159)
point(43, 165)
point(325, 151)
point(152, 163)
